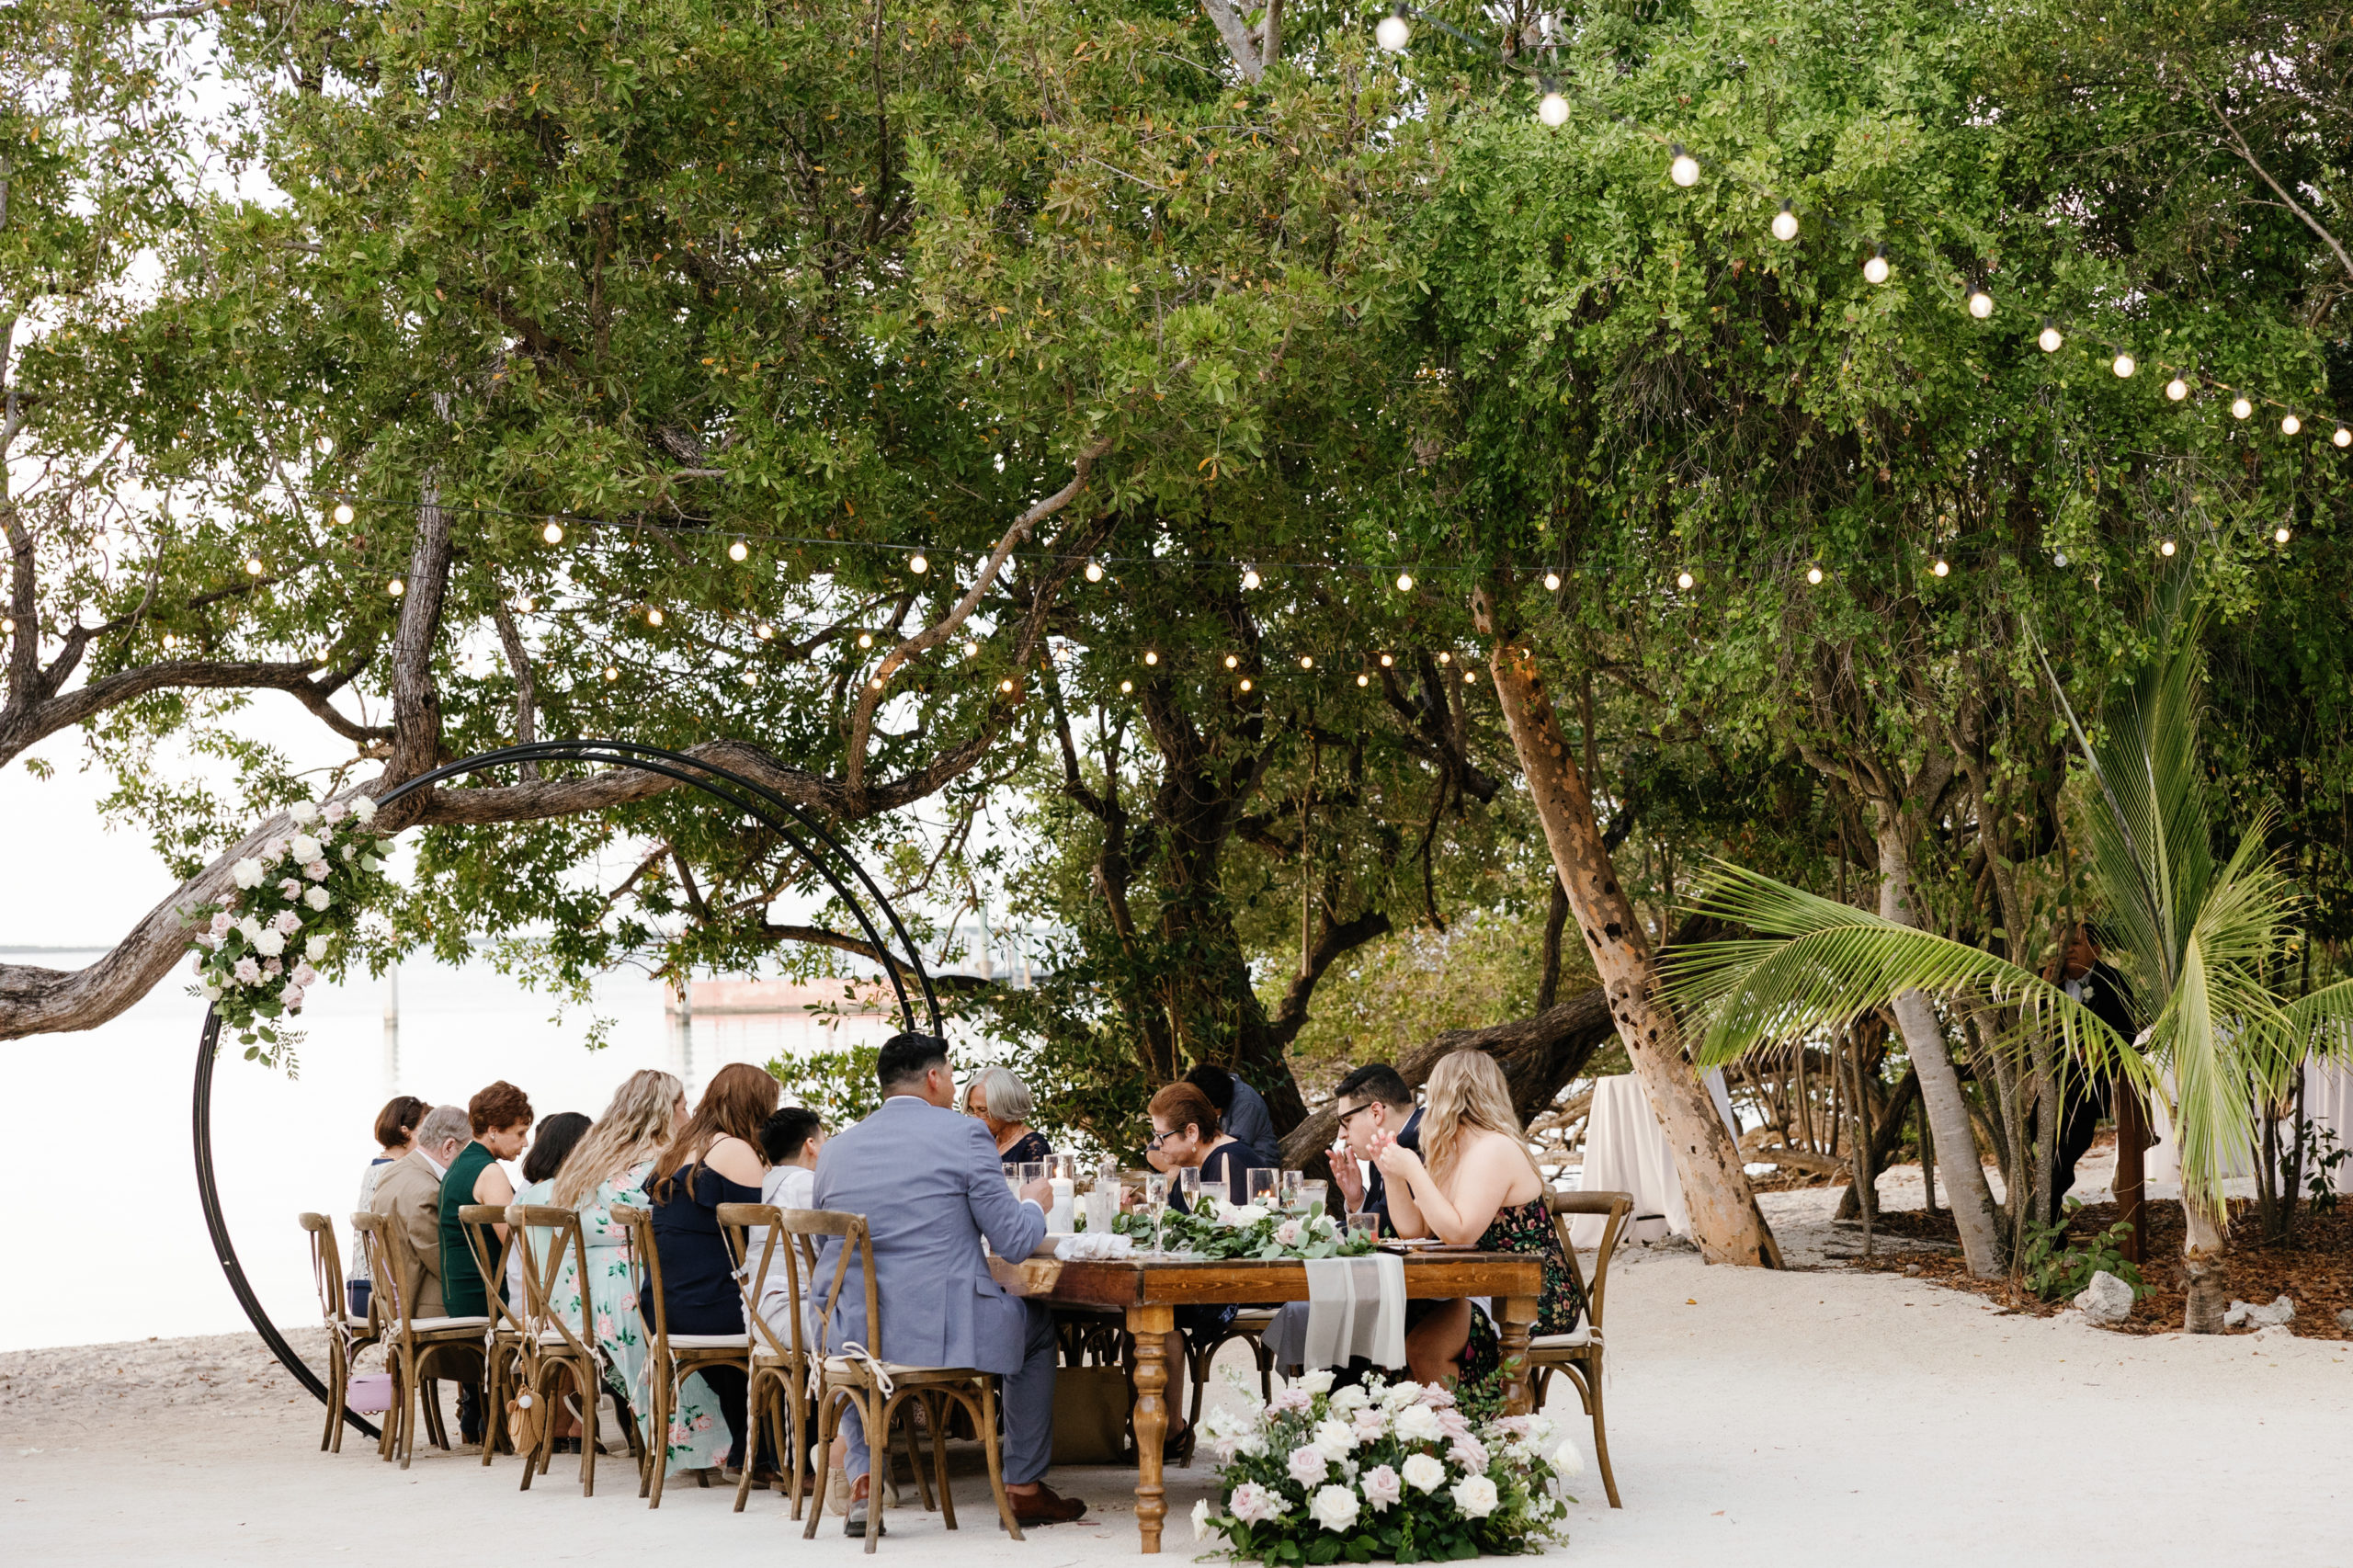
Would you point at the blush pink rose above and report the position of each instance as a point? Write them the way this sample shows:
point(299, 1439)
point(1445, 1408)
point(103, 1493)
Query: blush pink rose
point(1381, 1488)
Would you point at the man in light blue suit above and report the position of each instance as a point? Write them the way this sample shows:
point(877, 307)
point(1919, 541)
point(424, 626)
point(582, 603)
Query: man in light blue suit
point(930, 1185)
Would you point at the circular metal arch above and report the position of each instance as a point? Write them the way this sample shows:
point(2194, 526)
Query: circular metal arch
point(808, 838)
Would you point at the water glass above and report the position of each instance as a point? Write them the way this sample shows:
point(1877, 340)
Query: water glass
point(1365, 1225)
point(1013, 1177)
point(1289, 1184)
point(1312, 1196)
point(1032, 1171)
point(1260, 1186)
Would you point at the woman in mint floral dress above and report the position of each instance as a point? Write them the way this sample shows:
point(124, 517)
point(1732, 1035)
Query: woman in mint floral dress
point(610, 1167)
point(1474, 1184)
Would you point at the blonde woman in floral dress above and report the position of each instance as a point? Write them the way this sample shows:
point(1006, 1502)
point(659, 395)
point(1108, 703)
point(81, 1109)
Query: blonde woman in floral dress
point(609, 1167)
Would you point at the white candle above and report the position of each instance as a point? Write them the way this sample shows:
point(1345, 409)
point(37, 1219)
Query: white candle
point(1058, 1218)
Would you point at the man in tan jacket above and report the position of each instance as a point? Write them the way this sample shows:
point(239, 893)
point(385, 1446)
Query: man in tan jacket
point(410, 1191)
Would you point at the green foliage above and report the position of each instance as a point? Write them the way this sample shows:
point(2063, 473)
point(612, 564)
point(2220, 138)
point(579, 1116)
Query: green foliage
point(839, 1085)
point(1220, 1235)
point(2056, 1270)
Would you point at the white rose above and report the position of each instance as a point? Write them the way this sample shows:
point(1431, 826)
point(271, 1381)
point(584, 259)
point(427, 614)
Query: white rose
point(249, 928)
point(1201, 1520)
point(1400, 1395)
point(364, 809)
point(213, 994)
point(1240, 1215)
point(1352, 1398)
point(1475, 1496)
point(350, 851)
point(317, 898)
point(246, 872)
point(303, 847)
point(1317, 1380)
point(268, 942)
point(1418, 1424)
point(315, 949)
point(1422, 1472)
point(1334, 1509)
point(1334, 1439)
point(303, 812)
point(1568, 1459)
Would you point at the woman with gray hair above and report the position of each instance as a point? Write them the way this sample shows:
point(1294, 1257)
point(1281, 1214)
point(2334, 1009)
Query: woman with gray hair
point(1004, 1105)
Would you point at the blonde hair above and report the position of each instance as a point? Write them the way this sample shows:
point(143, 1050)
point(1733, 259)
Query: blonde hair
point(632, 1132)
point(1467, 1092)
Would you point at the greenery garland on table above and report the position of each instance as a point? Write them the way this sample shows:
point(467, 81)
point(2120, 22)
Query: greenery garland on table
point(1251, 1231)
point(257, 951)
point(1379, 1469)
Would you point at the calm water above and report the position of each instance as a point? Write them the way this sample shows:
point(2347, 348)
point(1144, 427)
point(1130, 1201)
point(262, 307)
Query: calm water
point(101, 1131)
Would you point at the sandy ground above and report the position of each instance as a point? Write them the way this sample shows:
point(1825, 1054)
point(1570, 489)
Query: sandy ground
point(1825, 1417)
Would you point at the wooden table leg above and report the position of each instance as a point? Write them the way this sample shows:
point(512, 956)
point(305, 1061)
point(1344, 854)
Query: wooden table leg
point(1150, 1325)
point(1519, 1315)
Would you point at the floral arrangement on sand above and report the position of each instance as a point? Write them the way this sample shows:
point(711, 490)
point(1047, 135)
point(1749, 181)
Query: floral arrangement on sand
point(1221, 1229)
point(258, 950)
point(1373, 1470)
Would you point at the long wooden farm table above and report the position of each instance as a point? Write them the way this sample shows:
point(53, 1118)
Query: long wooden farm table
point(1148, 1290)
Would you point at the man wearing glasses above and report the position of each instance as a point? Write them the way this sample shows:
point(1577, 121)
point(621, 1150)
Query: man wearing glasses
point(1376, 1109)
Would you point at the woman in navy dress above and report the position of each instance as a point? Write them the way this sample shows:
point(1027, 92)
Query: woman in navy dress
point(1185, 1133)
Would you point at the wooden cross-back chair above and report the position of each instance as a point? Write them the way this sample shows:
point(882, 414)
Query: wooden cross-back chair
point(850, 1373)
point(414, 1347)
point(777, 1399)
point(670, 1358)
point(503, 1365)
point(347, 1337)
point(556, 1349)
point(1576, 1354)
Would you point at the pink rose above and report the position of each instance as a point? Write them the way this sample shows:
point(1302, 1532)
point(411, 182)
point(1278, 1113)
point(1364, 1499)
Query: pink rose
point(1470, 1453)
point(316, 871)
point(291, 995)
point(1436, 1397)
point(286, 923)
point(1308, 1465)
point(289, 889)
point(305, 976)
point(272, 968)
point(1289, 1232)
point(1514, 1426)
point(1253, 1504)
point(247, 972)
point(221, 923)
point(1381, 1487)
point(1291, 1398)
point(334, 812)
point(1453, 1424)
point(1371, 1423)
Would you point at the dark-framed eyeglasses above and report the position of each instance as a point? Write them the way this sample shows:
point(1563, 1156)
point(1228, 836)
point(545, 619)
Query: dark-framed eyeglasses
point(1354, 1111)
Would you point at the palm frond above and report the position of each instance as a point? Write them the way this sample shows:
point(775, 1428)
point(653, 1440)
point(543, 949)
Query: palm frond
point(2320, 1022)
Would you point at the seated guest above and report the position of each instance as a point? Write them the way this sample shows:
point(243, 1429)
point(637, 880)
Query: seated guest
point(714, 1159)
point(410, 1192)
point(500, 1118)
point(791, 1140)
point(1375, 1108)
point(1003, 1103)
point(395, 1129)
point(931, 1186)
point(1185, 1133)
point(610, 1167)
point(1242, 1110)
point(1474, 1184)
point(558, 1135)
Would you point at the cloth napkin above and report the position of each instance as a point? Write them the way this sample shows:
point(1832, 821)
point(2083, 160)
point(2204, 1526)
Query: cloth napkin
point(1094, 1244)
point(1355, 1306)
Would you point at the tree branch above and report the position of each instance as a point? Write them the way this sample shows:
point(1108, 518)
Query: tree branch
point(1238, 39)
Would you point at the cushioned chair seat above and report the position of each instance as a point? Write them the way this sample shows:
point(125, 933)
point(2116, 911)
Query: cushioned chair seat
point(898, 1371)
point(710, 1341)
point(1576, 1339)
point(428, 1326)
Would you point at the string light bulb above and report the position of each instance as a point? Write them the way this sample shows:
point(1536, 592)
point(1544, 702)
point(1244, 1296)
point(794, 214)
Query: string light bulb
point(1981, 304)
point(1364, 680)
point(1784, 222)
point(1249, 579)
point(1940, 568)
point(1405, 581)
point(2123, 364)
point(1876, 269)
point(2343, 438)
point(1387, 660)
point(864, 639)
point(1552, 109)
point(1682, 168)
point(1444, 657)
point(766, 631)
point(1395, 32)
point(1006, 685)
point(971, 649)
point(2241, 408)
point(1813, 575)
point(1551, 582)
point(553, 532)
point(343, 514)
point(748, 679)
point(876, 684)
point(1683, 580)
point(525, 604)
point(1150, 657)
point(1306, 661)
point(1246, 683)
point(1470, 676)
point(1232, 661)
point(2048, 339)
point(252, 566)
point(2165, 548)
point(2290, 424)
point(2177, 389)
point(1126, 686)
point(1095, 571)
point(396, 588)
point(738, 551)
point(918, 564)
point(611, 673)
point(2281, 535)
point(653, 617)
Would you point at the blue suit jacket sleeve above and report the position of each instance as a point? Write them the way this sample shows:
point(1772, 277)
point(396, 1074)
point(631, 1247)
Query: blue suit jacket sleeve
point(1013, 1227)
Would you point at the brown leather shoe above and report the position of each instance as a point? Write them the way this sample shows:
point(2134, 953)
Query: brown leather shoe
point(1045, 1506)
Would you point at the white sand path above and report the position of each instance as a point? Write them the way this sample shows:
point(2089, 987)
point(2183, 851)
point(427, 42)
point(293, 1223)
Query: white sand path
point(1756, 1420)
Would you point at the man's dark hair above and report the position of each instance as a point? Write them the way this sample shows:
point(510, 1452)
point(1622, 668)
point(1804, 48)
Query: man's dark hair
point(787, 1132)
point(1214, 1082)
point(907, 1057)
point(1375, 1081)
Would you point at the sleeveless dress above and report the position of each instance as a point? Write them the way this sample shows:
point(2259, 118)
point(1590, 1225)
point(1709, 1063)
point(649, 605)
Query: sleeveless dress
point(1227, 1168)
point(462, 1292)
point(699, 1293)
point(1522, 1227)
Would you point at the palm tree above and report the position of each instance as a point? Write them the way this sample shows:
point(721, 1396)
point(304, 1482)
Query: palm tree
point(2195, 937)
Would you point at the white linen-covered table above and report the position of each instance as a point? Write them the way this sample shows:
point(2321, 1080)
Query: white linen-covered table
point(1626, 1149)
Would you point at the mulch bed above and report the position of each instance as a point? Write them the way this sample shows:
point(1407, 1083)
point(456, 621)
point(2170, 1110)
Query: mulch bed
point(2314, 1270)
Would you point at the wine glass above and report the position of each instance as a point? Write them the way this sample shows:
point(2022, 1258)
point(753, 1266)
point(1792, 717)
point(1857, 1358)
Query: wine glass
point(1155, 1200)
point(1260, 1186)
point(1188, 1186)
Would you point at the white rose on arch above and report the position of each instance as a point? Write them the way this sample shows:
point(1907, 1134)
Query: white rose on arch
point(303, 846)
point(271, 942)
point(246, 872)
point(364, 808)
point(250, 930)
point(317, 898)
point(304, 812)
point(315, 949)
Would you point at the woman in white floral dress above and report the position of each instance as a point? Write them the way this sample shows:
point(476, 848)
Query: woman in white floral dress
point(610, 1167)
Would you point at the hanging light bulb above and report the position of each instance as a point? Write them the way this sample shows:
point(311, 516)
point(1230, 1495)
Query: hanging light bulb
point(1552, 108)
point(1405, 581)
point(1784, 222)
point(1395, 32)
point(1306, 662)
point(2290, 424)
point(525, 604)
point(553, 532)
point(1470, 676)
point(1386, 660)
point(1876, 269)
point(2123, 364)
point(2177, 389)
point(396, 588)
point(1682, 168)
point(1246, 683)
point(1551, 582)
point(1981, 304)
point(2241, 408)
point(1249, 578)
point(766, 631)
point(738, 550)
point(917, 563)
point(1150, 658)
point(1095, 571)
point(1126, 686)
point(2048, 339)
point(1231, 661)
point(2343, 438)
point(611, 673)
point(876, 682)
point(1940, 569)
point(343, 514)
point(748, 679)
point(2281, 535)
point(864, 639)
point(1813, 575)
point(1006, 685)
point(1444, 657)
point(1364, 680)
point(253, 565)
point(653, 617)
point(2165, 548)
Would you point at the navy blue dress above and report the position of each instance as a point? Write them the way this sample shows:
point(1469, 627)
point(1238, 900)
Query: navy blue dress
point(1227, 1164)
point(698, 1291)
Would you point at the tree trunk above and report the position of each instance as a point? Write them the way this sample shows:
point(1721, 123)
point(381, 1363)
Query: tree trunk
point(2204, 1246)
point(1924, 1039)
point(1725, 1221)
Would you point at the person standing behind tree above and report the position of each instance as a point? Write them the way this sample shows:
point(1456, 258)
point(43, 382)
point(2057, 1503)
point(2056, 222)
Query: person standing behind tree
point(1242, 1112)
